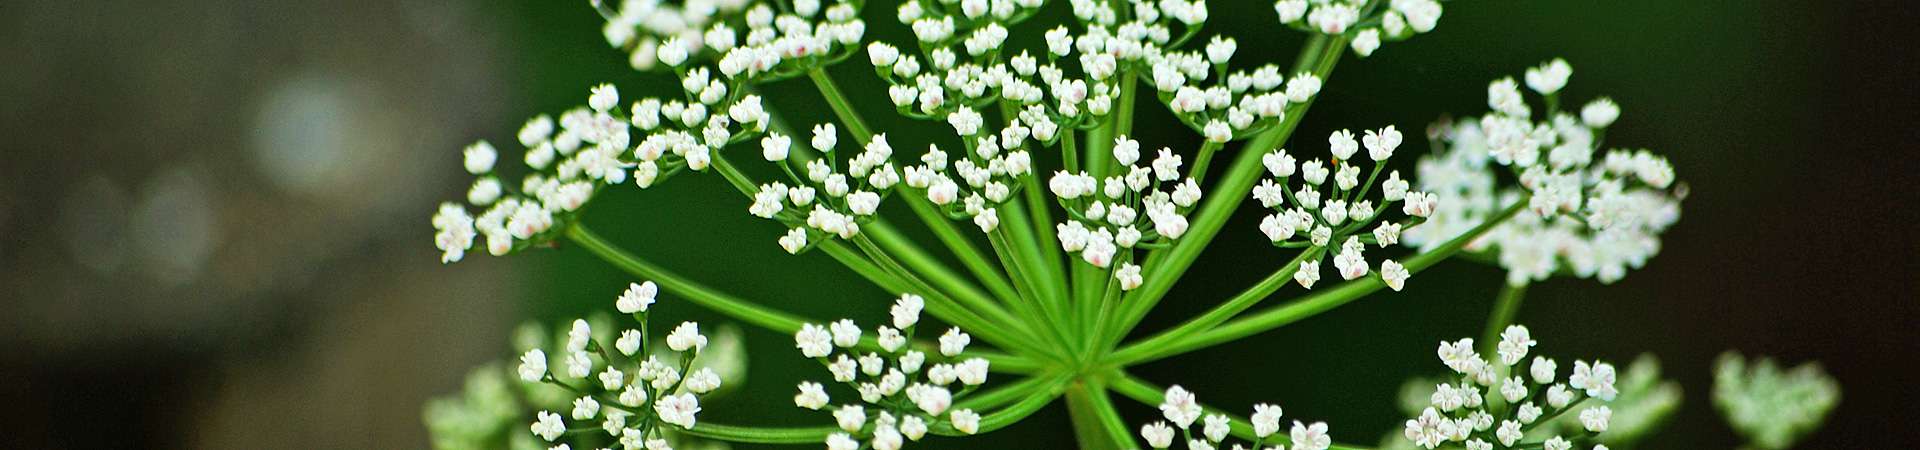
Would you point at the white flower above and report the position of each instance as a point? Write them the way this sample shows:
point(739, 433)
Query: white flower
point(1514, 343)
point(1600, 113)
point(1394, 274)
point(965, 121)
point(603, 98)
point(1542, 370)
point(932, 399)
point(1215, 428)
point(686, 336)
point(813, 341)
point(1558, 443)
point(1129, 276)
point(1302, 87)
point(812, 396)
point(1180, 407)
point(1509, 433)
point(965, 420)
point(1548, 78)
point(1528, 413)
point(1157, 434)
point(1342, 144)
point(906, 311)
point(637, 298)
point(824, 137)
point(913, 427)
point(845, 333)
point(1266, 420)
point(579, 335)
point(1310, 437)
point(634, 395)
point(1365, 42)
point(1596, 419)
point(1513, 389)
point(987, 220)
point(972, 372)
point(954, 342)
point(842, 441)
point(1308, 273)
point(677, 409)
point(549, 426)
point(1559, 396)
point(703, 381)
point(579, 365)
point(1290, 10)
point(533, 366)
point(585, 408)
point(1427, 429)
point(479, 157)
point(1420, 204)
point(1380, 145)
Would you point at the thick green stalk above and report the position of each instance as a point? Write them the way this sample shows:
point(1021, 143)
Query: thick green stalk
point(1316, 303)
point(1166, 267)
point(1505, 307)
point(1096, 424)
point(734, 307)
point(962, 248)
point(1151, 395)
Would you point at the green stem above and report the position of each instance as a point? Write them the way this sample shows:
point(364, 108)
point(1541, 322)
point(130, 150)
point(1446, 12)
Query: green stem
point(931, 269)
point(963, 248)
point(1318, 302)
point(734, 307)
point(1011, 414)
point(1219, 314)
point(1505, 307)
point(1198, 172)
point(761, 435)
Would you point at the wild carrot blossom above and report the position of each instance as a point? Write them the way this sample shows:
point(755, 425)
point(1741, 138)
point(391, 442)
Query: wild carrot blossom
point(1067, 230)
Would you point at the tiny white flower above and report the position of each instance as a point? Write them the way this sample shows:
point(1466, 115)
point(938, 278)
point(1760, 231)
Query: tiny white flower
point(906, 311)
point(1180, 407)
point(585, 408)
point(479, 157)
point(549, 426)
point(1157, 434)
point(686, 337)
point(965, 420)
point(1394, 274)
point(1542, 370)
point(637, 298)
point(677, 409)
point(954, 342)
point(1215, 428)
point(1310, 437)
point(845, 333)
point(533, 366)
point(813, 341)
point(1600, 113)
point(812, 396)
point(1596, 419)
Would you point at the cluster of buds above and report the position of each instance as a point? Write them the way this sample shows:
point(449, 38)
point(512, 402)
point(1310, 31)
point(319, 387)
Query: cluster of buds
point(631, 392)
point(904, 393)
point(1366, 25)
point(1494, 405)
point(1104, 223)
point(1182, 409)
point(1772, 407)
point(776, 44)
point(1591, 215)
point(836, 199)
point(1320, 214)
point(1238, 104)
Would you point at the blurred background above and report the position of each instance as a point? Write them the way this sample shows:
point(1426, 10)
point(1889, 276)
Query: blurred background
point(216, 216)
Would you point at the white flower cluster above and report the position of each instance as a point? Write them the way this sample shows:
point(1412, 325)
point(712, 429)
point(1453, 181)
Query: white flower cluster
point(630, 397)
point(1236, 107)
point(1400, 20)
point(1591, 215)
point(1320, 214)
point(655, 32)
point(1182, 409)
point(1484, 411)
point(903, 393)
point(568, 166)
point(835, 199)
point(1773, 408)
point(1104, 223)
